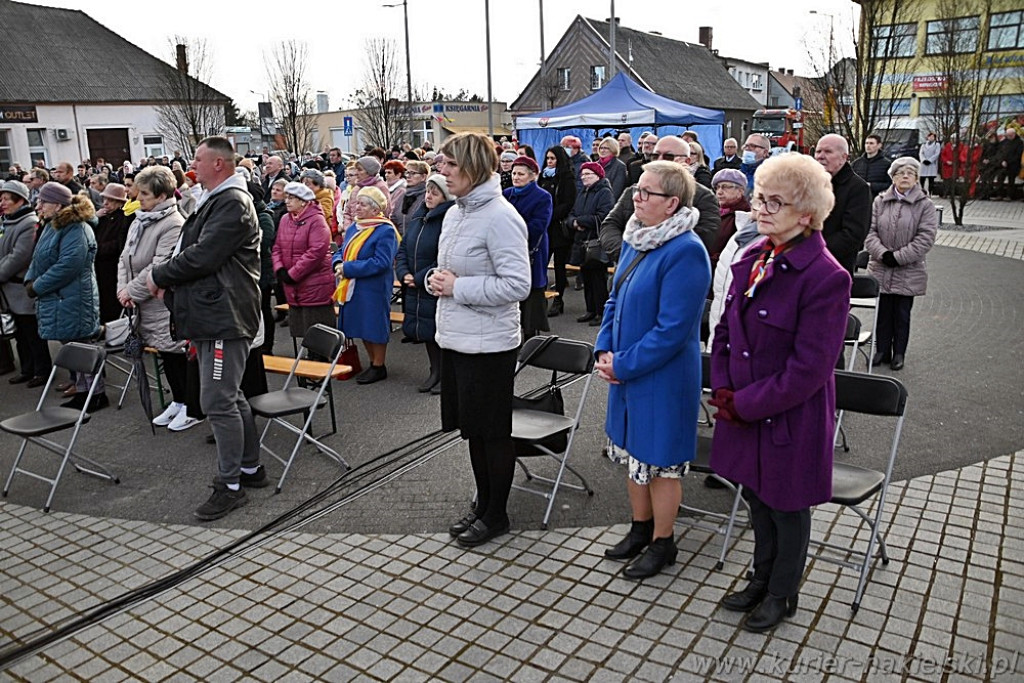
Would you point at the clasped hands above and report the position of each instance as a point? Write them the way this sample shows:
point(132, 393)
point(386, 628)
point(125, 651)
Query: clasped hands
point(441, 282)
point(604, 367)
point(723, 399)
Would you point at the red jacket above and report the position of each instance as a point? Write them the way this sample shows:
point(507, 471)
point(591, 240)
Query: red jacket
point(302, 247)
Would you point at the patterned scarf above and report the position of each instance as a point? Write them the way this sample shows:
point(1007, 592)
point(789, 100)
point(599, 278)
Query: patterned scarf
point(144, 219)
point(646, 238)
point(364, 230)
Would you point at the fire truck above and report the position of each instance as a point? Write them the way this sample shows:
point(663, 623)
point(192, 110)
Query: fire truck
point(784, 127)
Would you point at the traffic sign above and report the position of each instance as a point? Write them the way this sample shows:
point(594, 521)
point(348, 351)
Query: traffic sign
point(798, 103)
point(348, 126)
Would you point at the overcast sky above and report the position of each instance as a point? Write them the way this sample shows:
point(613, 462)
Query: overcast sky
point(447, 38)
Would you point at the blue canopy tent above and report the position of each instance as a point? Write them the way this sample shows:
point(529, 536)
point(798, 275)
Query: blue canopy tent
point(621, 105)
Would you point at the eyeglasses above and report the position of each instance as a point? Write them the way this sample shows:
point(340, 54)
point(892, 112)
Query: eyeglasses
point(587, 173)
point(769, 206)
point(750, 148)
point(666, 156)
point(644, 194)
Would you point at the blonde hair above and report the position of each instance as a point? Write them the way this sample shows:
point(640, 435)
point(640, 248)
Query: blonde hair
point(611, 143)
point(808, 184)
point(695, 148)
point(675, 180)
point(474, 154)
point(418, 167)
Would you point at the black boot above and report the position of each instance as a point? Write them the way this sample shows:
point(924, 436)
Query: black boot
point(556, 307)
point(638, 538)
point(879, 358)
point(434, 354)
point(660, 553)
point(770, 613)
point(897, 361)
point(746, 599)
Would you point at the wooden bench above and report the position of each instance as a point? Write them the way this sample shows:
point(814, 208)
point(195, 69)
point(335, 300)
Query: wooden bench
point(311, 370)
point(575, 269)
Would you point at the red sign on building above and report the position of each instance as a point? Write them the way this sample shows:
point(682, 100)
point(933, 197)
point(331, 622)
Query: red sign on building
point(929, 83)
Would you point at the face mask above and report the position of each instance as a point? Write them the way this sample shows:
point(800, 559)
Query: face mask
point(749, 157)
point(568, 150)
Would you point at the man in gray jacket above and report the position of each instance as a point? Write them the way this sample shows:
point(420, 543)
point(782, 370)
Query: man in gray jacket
point(670, 148)
point(212, 284)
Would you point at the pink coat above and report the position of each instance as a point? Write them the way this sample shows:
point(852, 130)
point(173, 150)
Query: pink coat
point(303, 247)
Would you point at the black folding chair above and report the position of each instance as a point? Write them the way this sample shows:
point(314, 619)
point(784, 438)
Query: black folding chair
point(33, 427)
point(852, 485)
point(294, 400)
point(541, 433)
point(864, 295)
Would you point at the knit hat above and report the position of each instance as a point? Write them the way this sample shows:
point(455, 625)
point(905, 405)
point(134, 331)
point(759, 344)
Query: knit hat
point(593, 166)
point(509, 155)
point(16, 187)
point(441, 185)
point(369, 164)
point(300, 191)
point(55, 193)
point(316, 176)
point(904, 162)
point(115, 191)
point(375, 195)
point(527, 162)
point(729, 175)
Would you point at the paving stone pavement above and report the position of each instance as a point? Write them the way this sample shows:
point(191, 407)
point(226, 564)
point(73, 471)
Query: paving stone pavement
point(538, 605)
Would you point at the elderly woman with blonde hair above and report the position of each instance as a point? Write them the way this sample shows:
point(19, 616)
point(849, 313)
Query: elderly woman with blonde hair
point(772, 364)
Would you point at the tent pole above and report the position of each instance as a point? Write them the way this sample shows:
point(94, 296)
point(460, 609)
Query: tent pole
point(611, 44)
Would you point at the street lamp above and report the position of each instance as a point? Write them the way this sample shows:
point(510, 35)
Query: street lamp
point(408, 65)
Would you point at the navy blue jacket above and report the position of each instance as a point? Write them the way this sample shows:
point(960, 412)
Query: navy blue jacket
point(534, 204)
point(416, 255)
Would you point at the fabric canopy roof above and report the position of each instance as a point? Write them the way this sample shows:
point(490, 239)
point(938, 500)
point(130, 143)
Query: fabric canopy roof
point(622, 103)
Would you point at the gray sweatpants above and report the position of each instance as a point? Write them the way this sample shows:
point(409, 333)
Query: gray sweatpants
point(221, 365)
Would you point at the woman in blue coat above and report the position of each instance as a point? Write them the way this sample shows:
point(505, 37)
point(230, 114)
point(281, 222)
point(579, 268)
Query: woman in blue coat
point(648, 350)
point(772, 364)
point(364, 267)
point(417, 254)
point(61, 276)
point(534, 204)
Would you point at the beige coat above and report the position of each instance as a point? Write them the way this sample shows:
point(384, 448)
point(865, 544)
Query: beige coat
point(907, 227)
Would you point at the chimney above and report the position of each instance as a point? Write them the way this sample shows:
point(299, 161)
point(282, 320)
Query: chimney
point(705, 36)
point(182, 55)
point(617, 20)
point(789, 72)
point(782, 70)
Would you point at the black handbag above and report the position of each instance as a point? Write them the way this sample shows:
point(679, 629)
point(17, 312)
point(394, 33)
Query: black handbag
point(550, 401)
point(594, 255)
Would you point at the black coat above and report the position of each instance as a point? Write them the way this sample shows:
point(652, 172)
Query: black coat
point(875, 172)
point(562, 189)
point(111, 234)
point(416, 255)
point(722, 162)
point(1010, 152)
point(847, 225)
point(590, 209)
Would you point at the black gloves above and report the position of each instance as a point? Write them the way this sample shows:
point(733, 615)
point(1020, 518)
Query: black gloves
point(283, 276)
point(30, 290)
point(890, 260)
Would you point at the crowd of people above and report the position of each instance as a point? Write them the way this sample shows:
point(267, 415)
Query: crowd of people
point(767, 245)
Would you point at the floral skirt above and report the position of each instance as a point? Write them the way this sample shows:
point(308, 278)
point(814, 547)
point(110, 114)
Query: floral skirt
point(641, 473)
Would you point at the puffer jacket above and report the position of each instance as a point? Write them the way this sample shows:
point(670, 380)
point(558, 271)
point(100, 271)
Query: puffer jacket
point(906, 226)
point(151, 241)
point(302, 246)
point(417, 254)
point(17, 240)
point(62, 274)
point(483, 242)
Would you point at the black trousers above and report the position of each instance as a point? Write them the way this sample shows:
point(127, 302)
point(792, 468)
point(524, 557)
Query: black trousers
point(780, 545)
point(561, 255)
point(176, 372)
point(33, 352)
point(268, 318)
point(893, 330)
point(595, 288)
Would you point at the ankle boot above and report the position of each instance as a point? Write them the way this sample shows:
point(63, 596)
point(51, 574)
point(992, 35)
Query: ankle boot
point(660, 553)
point(770, 613)
point(748, 598)
point(556, 307)
point(639, 536)
point(434, 354)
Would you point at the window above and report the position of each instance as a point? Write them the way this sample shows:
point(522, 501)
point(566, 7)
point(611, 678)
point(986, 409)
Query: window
point(948, 36)
point(36, 146)
point(1001, 107)
point(943, 108)
point(755, 82)
point(5, 150)
point(563, 79)
point(888, 108)
point(1005, 31)
point(153, 146)
point(897, 40)
point(597, 74)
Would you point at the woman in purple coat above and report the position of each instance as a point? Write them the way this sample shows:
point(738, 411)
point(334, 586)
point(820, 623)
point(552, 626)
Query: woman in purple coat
point(771, 369)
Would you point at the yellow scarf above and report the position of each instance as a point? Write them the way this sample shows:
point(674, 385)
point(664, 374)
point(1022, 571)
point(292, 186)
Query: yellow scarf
point(364, 229)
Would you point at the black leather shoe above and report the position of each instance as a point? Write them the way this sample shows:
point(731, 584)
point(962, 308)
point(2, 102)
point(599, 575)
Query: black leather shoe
point(374, 373)
point(430, 382)
point(76, 402)
point(35, 382)
point(19, 379)
point(557, 306)
point(98, 402)
point(596, 322)
point(586, 317)
point(461, 525)
point(659, 554)
point(746, 599)
point(770, 614)
point(897, 362)
point(879, 358)
point(479, 533)
point(638, 538)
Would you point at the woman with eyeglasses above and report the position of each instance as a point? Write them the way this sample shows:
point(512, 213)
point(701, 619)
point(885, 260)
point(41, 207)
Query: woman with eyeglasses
point(698, 166)
point(648, 350)
point(416, 173)
point(903, 228)
point(557, 178)
point(772, 365)
point(483, 272)
point(614, 170)
point(590, 209)
point(394, 176)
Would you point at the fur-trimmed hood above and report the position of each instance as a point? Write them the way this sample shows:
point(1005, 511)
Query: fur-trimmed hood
point(80, 210)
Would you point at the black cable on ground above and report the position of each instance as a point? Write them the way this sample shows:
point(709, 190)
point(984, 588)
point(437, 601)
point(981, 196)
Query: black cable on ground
point(399, 460)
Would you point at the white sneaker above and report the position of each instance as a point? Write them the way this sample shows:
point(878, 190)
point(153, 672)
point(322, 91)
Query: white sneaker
point(182, 421)
point(165, 418)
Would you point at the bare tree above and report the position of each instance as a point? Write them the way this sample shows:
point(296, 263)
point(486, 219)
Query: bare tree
point(191, 110)
point(963, 79)
point(291, 93)
point(378, 99)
